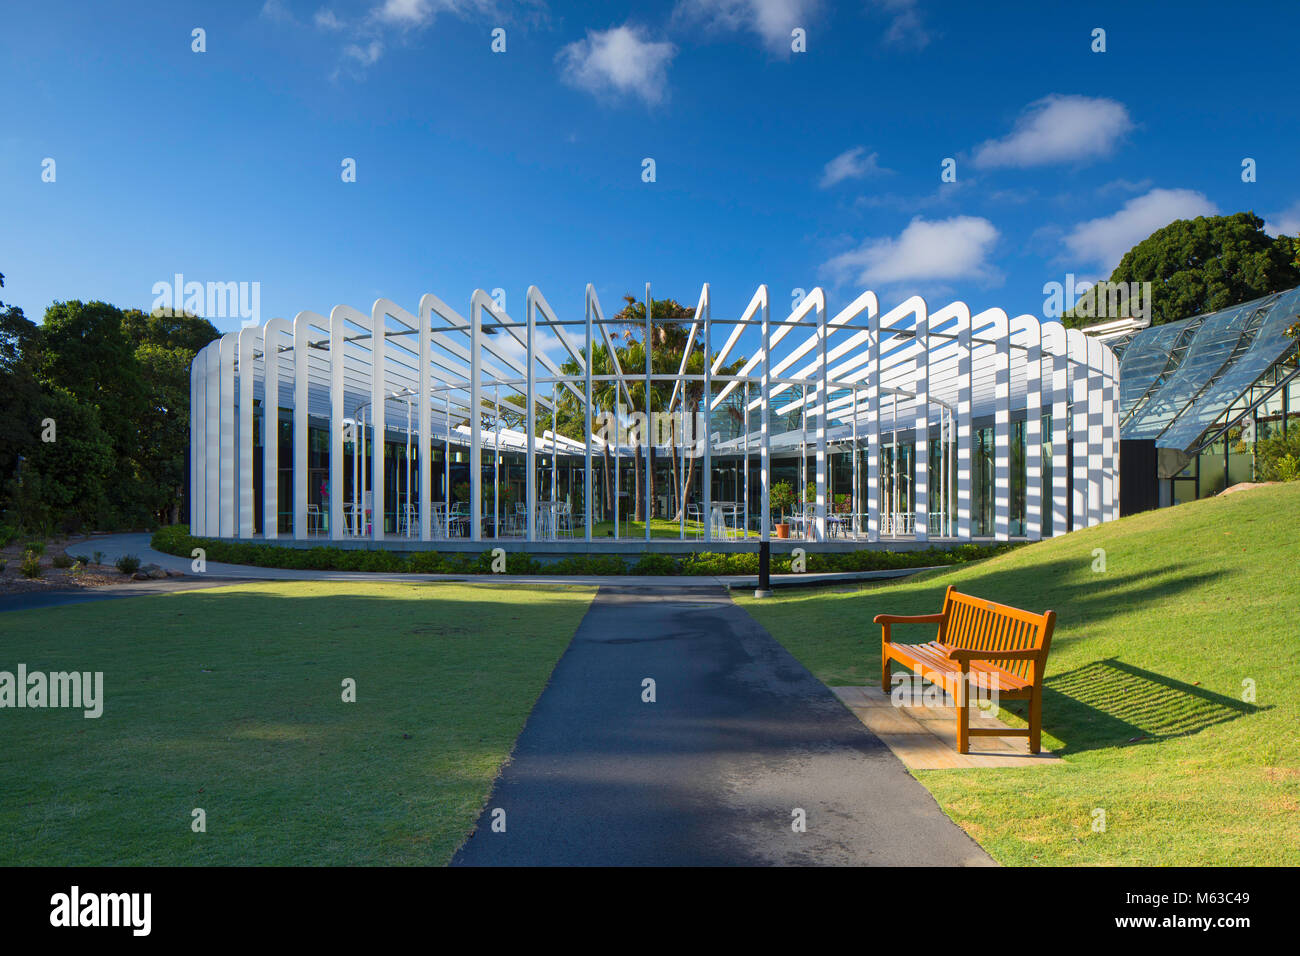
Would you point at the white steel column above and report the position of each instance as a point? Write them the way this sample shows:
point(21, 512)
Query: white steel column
point(530, 418)
point(1001, 426)
point(378, 408)
point(271, 426)
point(921, 426)
point(965, 489)
point(424, 453)
point(246, 345)
point(587, 496)
point(301, 337)
point(1096, 422)
point(647, 438)
point(1054, 345)
point(823, 416)
point(706, 479)
point(227, 387)
point(1033, 370)
point(212, 453)
point(196, 467)
point(337, 328)
point(873, 426)
point(475, 402)
point(1077, 352)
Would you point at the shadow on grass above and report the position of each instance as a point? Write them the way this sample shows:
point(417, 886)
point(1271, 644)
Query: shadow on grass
point(1109, 703)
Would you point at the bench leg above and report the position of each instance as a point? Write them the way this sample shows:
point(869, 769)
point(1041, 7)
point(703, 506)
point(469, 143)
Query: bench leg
point(963, 715)
point(1036, 721)
point(886, 675)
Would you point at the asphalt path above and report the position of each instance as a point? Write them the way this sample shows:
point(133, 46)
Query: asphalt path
point(739, 739)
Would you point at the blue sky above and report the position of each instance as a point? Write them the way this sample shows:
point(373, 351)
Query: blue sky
point(483, 169)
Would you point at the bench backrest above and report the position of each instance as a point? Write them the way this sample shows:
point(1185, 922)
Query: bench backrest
point(976, 624)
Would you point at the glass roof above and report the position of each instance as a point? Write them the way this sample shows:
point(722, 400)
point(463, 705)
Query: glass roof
point(1223, 354)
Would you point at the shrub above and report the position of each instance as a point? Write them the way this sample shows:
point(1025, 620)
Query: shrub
point(99, 557)
point(1277, 457)
point(652, 563)
point(426, 562)
point(36, 547)
point(128, 564)
point(31, 566)
point(62, 560)
point(7, 535)
point(1287, 468)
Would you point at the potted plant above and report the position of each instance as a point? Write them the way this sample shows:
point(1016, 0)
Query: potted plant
point(780, 498)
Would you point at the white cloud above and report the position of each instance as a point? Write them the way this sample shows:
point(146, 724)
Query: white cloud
point(771, 20)
point(1104, 241)
point(366, 55)
point(1059, 129)
point(623, 59)
point(853, 163)
point(276, 10)
point(906, 29)
point(955, 248)
point(326, 20)
point(406, 13)
point(1284, 223)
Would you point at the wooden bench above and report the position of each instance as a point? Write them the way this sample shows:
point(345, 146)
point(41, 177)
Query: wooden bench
point(993, 646)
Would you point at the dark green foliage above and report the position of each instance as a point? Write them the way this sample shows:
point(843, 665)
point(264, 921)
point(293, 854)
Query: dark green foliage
point(1203, 265)
point(654, 563)
point(128, 564)
point(1277, 457)
point(61, 561)
point(114, 386)
point(176, 539)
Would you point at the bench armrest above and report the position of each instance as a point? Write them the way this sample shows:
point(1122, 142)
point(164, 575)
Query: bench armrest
point(907, 619)
point(964, 654)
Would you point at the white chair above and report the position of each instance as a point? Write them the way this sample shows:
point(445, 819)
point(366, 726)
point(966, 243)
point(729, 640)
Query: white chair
point(313, 519)
point(564, 520)
point(695, 513)
point(406, 518)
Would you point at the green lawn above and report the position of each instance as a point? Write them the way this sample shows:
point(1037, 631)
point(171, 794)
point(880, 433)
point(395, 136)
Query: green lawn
point(230, 700)
point(1144, 688)
point(659, 528)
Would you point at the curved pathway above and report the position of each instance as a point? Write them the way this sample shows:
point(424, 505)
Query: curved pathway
point(739, 737)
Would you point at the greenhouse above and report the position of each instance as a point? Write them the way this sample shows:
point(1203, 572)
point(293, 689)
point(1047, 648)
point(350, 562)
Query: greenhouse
point(1197, 395)
point(871, 424)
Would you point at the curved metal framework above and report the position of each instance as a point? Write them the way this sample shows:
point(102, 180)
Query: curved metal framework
point(913, 397)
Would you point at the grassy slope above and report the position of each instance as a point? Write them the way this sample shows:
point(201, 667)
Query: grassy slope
point(1194, 600)
point(229, 699)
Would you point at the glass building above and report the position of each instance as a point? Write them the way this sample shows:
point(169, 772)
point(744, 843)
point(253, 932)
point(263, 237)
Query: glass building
point(1196, 396)
point(905, 424)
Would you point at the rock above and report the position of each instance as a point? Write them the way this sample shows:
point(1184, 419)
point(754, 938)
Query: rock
point(175, 574)
point(157, 574)
point(139, 576)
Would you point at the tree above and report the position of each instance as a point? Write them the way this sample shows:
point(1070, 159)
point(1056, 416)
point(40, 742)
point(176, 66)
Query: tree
point(1202, 265)
point(59, 483)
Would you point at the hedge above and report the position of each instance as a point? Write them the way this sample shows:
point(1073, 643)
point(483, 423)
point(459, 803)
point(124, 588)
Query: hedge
point(176, 539)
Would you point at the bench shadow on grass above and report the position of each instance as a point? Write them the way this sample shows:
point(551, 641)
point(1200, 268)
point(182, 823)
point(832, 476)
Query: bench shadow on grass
point(1104, 703)
point(1109, 703)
